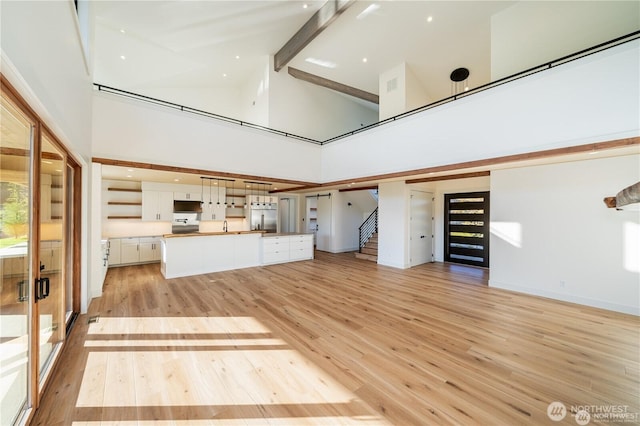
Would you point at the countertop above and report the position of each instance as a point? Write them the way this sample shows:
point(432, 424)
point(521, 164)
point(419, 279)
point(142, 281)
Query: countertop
point(285, 234)
point(208, 234)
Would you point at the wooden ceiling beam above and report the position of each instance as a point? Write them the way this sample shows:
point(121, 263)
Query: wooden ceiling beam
point(629, 195)
point(449, 177)
point(333, 85)
point(310, 30)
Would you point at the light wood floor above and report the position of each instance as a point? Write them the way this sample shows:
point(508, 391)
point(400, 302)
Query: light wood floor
point(336, 341)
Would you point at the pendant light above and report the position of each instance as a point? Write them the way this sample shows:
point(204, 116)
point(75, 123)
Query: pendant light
point(218, 183)
point(459, 80)
point(264, 200)
point(201, 191)
point(233, 198)
point(226, 193)
point(210, 197)
point(245, 195)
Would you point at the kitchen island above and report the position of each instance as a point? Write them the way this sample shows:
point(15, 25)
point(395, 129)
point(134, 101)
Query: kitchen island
point(201, 253)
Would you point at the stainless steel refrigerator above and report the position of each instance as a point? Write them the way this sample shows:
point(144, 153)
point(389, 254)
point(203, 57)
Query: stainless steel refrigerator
point(264, 218)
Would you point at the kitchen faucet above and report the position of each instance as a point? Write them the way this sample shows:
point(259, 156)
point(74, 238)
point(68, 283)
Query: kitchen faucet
point(224, 226)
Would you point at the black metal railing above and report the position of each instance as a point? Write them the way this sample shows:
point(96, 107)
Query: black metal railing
point(182, 108)
point(367, 229)
point(546, 66)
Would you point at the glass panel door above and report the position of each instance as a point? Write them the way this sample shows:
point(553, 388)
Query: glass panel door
point(50, 290)
point(16, 146)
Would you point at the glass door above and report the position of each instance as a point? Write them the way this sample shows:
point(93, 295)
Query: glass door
point(50, 287)
point(16, 147)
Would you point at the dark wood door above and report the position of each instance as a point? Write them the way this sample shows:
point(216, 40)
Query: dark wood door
point(467, 228)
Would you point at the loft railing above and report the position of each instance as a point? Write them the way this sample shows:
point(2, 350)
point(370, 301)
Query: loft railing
point(148, 99)
point(367, 229)
point(546, 66)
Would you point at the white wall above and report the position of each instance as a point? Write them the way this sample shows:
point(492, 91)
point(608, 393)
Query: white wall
point(254, 97)
point(589, 100)
point(553, 236)
point(393, 224)
point(530, 33)
point(131, 130)
point(347, 220)
point(305, 109)
point(403, 95)
point(42, 57)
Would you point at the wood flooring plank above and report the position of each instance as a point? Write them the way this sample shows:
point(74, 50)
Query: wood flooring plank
point(332, 341)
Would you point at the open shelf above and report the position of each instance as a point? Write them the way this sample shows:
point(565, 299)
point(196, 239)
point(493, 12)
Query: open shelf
point(124, 203)
point(124, 189)
point(124, 217)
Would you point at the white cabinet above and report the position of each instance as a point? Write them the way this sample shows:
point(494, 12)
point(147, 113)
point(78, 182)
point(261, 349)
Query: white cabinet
point(157, 206)
point(287, 248)
point(129, 250)
point(132, 250)
point(187, 196)
point(300, 247)
point(113, 248)
point(149, 249)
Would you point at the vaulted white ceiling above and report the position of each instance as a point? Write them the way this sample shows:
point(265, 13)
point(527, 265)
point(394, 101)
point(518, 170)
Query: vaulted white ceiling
point(199, 45)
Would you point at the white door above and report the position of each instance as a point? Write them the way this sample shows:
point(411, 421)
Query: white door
point(323, 224)
point(287, 209)
point(421, 228)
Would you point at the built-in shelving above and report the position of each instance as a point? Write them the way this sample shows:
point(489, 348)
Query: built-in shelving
point(123, 200)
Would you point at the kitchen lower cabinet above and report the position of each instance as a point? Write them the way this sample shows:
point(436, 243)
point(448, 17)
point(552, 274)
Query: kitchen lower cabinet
point(149, 249)
point(133, 250)
point(113, 247)
point(286, 248)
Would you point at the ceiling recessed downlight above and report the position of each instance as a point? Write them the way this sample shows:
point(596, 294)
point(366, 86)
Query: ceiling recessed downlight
point(364, 60)
point(429, 18)
point(123, 57)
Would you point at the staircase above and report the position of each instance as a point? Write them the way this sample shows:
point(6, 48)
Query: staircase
point(370, 250)
point(368, 236)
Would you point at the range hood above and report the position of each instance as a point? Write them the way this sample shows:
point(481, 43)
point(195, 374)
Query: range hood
point(181, 206)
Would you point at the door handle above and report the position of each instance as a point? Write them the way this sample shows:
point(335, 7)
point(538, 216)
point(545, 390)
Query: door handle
point(42, 288)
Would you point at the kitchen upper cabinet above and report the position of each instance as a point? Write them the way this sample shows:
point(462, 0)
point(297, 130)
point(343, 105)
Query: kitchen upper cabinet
point(157, 206)
point(187, 196)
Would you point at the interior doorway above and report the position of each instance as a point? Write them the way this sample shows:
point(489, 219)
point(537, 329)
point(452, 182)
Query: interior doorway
point(421, 228)
point(466, 226)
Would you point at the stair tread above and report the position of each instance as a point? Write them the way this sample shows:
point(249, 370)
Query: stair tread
point(367, 257)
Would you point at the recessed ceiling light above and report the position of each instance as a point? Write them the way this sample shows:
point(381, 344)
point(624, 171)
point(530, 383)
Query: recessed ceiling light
point(123, 57)
point(129, 170)
point(321, 62)
point(372, 8)
point(429, 18)
point(304, 6)
point(47, 162)
point(237, 56)
point(129, 176)
point(364, 60)
point(122, 30)
point(224, 75)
